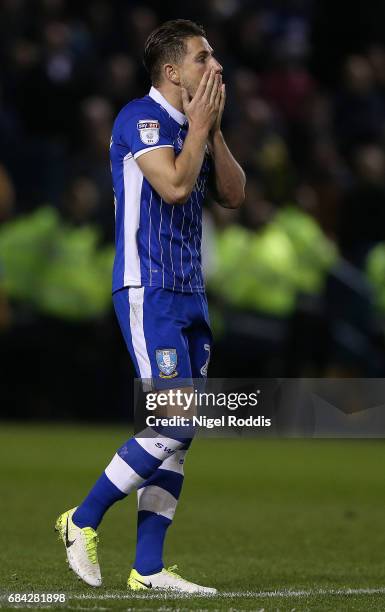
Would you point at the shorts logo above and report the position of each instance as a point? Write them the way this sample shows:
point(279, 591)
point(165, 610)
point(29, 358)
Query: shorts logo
point(167, 360)
point(204, 368)
point(148, 131)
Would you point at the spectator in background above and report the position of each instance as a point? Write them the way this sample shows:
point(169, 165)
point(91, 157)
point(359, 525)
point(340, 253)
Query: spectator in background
point(362, 218)
point(120, 81)
point(88, 197)
point(7, 195)
point(359, 109)
point(376, 57)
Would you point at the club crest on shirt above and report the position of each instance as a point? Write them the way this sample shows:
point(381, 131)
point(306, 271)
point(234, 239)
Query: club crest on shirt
point(167, 360)
point(149, 131)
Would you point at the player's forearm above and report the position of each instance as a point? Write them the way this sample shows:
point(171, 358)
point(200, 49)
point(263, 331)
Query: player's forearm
point(188, 163)
point(230, 179)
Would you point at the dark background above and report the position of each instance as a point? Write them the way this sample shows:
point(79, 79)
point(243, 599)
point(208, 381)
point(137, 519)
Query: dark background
point(298, 293)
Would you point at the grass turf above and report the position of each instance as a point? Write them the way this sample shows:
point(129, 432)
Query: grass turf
point(255, 516)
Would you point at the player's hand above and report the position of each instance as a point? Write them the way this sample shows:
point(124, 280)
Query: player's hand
point(202, 110)
point(222, 100)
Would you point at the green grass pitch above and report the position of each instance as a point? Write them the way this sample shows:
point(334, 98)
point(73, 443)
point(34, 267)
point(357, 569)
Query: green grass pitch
point(274, 525)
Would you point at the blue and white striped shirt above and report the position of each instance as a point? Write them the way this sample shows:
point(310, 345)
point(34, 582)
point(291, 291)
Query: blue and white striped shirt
point(157, 244)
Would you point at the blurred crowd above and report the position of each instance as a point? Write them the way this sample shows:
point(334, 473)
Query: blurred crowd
point(305, 117)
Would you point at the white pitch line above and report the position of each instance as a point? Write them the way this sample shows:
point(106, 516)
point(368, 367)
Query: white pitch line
point(236, 595)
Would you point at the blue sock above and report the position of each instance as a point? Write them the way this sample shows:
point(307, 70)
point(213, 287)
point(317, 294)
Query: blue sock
point(102, 495)
point(151, 533)
point(155, 513)
point(116, 483)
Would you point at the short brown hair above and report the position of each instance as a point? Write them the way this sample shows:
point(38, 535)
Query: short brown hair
point(167, 44)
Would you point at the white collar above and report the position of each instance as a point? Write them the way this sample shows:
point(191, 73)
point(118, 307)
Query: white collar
point(172, 111)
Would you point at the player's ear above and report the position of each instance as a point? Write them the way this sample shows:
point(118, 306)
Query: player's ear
point(172, 73)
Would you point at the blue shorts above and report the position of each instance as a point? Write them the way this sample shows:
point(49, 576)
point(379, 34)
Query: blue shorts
point(167, 333)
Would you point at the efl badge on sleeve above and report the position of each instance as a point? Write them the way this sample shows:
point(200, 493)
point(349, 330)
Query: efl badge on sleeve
point(149, 131)
point(167, 360)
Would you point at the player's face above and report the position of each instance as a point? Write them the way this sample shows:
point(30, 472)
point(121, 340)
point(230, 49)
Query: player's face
point(198, 58)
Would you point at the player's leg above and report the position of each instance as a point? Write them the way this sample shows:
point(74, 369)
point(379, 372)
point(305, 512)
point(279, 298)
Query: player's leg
point(131, 466)
point(158, 496)
point(141, 315)
point(197, 339)
point(157, 500)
